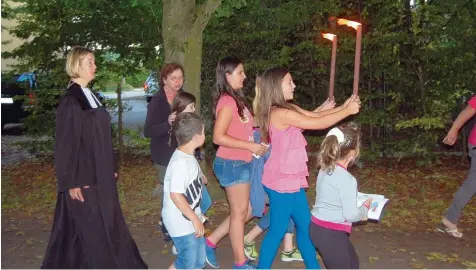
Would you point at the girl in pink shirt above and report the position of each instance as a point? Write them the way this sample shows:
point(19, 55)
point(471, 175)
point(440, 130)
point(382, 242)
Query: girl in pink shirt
point(233, 133)
point(285, 172)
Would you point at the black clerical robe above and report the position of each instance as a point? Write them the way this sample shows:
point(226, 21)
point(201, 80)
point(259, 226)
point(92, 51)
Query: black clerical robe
point(93, 233)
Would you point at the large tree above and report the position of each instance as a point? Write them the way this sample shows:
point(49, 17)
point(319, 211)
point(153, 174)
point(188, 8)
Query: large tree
point(132, 28)
point(183, 24)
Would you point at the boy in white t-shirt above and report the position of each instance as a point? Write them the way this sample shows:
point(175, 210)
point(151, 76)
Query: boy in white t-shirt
point(183, 193)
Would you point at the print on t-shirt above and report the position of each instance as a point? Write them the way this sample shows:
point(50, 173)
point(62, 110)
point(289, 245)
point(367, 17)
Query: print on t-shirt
point(183, 176)
point(193, 194)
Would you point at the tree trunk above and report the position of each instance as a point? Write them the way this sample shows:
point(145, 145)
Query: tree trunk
point(120, 127)
point(183, 24)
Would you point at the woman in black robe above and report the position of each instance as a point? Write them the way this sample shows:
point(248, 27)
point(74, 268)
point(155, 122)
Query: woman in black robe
point(89, 229)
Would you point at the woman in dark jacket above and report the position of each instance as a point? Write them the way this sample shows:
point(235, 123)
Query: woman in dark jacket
point(89, 229)
point(158, 123)
point(160, 117)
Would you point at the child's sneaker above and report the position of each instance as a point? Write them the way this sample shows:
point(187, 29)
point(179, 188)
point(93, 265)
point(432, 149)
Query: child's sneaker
point(250, 251)
point(211, 258)
point(246, 265)
point(291, 256)
point(174, 250)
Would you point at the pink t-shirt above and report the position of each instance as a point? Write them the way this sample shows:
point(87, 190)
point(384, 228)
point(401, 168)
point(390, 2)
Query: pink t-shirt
point(241, 129)
point(472, 135)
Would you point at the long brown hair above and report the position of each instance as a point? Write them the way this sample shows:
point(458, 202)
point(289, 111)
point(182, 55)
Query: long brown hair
point(270, 95)
point(331, 150)
point(225, 66)
point(181, 101)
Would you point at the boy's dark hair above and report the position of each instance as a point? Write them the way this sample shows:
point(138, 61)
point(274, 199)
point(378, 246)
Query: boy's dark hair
point(185, 126)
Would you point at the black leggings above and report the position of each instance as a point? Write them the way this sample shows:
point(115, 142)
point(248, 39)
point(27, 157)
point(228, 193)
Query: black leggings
point(335, 247)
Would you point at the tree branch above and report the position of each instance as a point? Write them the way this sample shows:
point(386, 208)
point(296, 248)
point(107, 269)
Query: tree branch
point(204, 12)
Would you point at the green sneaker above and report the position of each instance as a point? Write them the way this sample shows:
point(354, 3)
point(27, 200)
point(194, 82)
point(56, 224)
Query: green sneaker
point(291, 256)
point(250, 251)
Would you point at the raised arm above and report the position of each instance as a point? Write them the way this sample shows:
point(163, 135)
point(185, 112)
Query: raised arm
point(156, 122)
point(319, 112)
point(284, 117)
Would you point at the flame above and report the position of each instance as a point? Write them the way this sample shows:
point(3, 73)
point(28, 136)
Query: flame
point(348, 23)
point(329, 36)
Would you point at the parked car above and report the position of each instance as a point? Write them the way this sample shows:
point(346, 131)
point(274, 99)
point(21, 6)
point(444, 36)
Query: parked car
point(151, 86)
point(19, 85)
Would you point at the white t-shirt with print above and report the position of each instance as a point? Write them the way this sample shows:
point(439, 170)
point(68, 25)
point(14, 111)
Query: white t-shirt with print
point(183, 175)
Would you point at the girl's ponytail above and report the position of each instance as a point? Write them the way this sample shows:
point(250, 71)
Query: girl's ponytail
point(329, 153)
point(337, 145)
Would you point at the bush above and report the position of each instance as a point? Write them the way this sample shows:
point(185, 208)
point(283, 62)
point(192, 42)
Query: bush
point(137, 80)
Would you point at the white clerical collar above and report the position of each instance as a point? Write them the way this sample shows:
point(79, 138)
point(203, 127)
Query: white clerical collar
point(93, 101)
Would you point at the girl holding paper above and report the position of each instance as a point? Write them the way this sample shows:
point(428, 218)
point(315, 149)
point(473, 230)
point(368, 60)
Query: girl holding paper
point(336, 198)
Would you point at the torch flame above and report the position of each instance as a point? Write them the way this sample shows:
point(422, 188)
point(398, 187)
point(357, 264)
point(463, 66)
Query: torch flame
point(329, 36)
point(352, 24)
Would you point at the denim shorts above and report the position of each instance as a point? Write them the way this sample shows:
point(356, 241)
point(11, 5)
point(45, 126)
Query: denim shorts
point(232, 172)
point(190, 252)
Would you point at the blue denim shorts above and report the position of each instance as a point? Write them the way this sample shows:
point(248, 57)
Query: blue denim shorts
point(232, 172)
point(190, 252)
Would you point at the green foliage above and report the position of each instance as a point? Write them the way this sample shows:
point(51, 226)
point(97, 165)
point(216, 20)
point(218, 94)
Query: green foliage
point(427, 123)
point(418, 58)
point(137, 79)
point(226, 9)
point(422, 54)
point(134, 139)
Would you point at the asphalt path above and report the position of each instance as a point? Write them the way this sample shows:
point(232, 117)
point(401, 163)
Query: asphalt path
point(134, 117)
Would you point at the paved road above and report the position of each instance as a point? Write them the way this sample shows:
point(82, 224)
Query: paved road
point(134, 118)
point(24, 241)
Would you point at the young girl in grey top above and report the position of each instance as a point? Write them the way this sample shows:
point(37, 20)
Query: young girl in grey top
point(336, 199)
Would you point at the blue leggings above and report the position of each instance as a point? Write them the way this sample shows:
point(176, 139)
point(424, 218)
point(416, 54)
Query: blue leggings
point(265, 220)
point(282, 207)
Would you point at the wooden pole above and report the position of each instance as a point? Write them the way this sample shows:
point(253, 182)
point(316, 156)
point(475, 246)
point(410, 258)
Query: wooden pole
point(358, 46)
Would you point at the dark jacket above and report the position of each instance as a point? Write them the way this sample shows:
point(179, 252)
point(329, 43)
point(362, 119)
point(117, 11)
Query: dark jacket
point(157, 128)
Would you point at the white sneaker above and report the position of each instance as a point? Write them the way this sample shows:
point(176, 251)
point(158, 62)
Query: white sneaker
point(174, 250)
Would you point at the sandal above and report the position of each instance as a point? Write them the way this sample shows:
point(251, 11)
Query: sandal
point(453, 232)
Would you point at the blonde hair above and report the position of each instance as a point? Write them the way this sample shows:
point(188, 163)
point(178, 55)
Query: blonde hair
point(257, 94)
point(331, 150)
point(74, 59)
